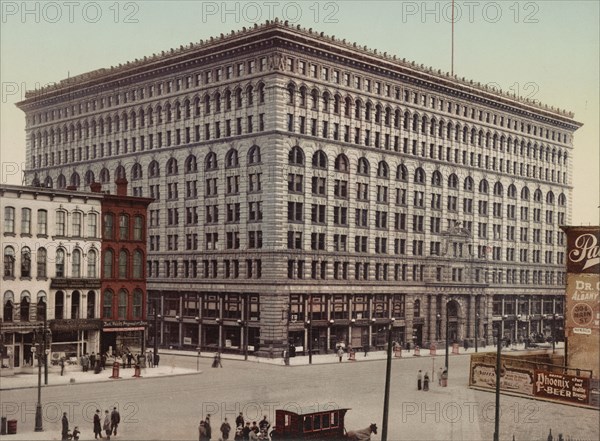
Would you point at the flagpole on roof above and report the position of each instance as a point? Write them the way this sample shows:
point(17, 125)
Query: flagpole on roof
point(452, 57)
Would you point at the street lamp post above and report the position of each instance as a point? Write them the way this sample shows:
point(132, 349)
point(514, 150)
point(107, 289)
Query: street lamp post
point(39, 354)
point(244, 326)
point(498, 367)
point(447, 332)
point(437, 326)
point(476, 330)
point(388, 375)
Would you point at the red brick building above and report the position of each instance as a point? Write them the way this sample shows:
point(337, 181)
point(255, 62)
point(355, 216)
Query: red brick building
point(123, 287)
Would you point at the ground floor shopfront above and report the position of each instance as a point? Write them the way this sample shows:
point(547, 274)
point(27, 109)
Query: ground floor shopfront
point(265, 320)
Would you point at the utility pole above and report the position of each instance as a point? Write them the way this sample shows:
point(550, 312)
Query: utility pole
point(388, 375)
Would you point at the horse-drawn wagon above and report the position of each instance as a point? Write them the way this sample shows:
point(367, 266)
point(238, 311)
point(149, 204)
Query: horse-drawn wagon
point(322, 425)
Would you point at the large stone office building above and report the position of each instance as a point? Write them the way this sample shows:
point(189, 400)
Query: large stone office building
point(301, 178)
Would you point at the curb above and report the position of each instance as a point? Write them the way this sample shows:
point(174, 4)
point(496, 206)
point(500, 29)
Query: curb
point(101, 381)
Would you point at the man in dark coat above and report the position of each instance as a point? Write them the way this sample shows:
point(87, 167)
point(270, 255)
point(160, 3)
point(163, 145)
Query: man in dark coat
point(156, 360)
point(115, 419)
point(207, 426)
point(65, 427)
point(246, 432)
point(97, 424)
point(93, 360)
point(225, 429)
point(239, 421)
point(129, 359)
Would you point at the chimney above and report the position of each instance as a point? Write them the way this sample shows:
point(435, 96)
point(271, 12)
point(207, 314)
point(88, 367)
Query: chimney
point(96, 187)
point(121, 186)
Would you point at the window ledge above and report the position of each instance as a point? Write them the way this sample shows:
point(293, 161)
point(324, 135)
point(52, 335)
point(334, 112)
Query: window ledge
point(8, 278)
point(26, 235)
point(45, 236)
point(8, 234)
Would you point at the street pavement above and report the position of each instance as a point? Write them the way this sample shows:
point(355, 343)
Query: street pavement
point(165, 408)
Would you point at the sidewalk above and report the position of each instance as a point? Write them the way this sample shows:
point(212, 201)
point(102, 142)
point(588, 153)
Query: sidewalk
point(73, 375)
point(332, 358)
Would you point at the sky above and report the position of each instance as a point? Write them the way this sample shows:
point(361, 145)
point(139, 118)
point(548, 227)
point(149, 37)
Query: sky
point(543, 50)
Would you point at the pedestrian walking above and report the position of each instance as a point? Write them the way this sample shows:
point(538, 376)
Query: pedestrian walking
point(419, 379)
point(366, 348)
point(239, 421)
point(156, 359)
point(65, 427)
point(150, 360)
point(97, 425)
point(246, 432)
point(103, 361)
point(466, 345)
point(93, 360)
point(426, 381)
point(217, 361)
point(106, 425)
point(62, 366)
point(202, 431)
point(441, 371)
point(225, 429)
point(340, 353)
point(264, 424)
point(115, 419)
point(207, 426)
point(129, 359)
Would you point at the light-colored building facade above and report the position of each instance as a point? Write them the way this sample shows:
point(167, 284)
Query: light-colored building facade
point(51, 257)
point(300, 178)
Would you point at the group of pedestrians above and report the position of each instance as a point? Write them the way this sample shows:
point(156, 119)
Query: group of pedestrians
point(109, 425)
point(244, 430)
point(422, 381)
point(128, 359)
point(96, 362)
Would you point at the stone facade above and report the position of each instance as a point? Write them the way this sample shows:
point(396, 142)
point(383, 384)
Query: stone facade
point(299, 178)
point(51, 257)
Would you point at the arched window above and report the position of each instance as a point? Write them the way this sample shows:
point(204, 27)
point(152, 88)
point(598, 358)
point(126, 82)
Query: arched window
point(24, 306)
point(104, 176)
point(108, 264)
point(537, 196)
point(419, 176)
point(232, 159)
point(172, 167)
point(290, 91)
point(75, 304)
point(153, 170)
point(525, 193)
point(138, 297)
point(108, 221)
point(25, 263)
point(296, 156)
point(191, 165)
point(42, 257)
point(75, 180)
point(436, 179)
point(60, 263)
point(9, 306)
point(402, 173)
point(61, 181)
point(342, 164)
point(319, 159)
point(107, 304)
point(417, 308)
point(512, 191)
point(469, 184)
point(120, 173)
point(123, 227)
point(363, 166)
point(453, 181)
point(498, 190)
point(483, 186)
point(562, 200)
point(550, 198)
point(383, 170)
point(138, 259)
point(89, 177)
point(91, 264)
point(136, 171)
point(122, 307)
point(76, 264)
point(261, 93)
point(123, 264)
point(211, 161)
point(59, 305)
point(48, 182)
point(254, 155)
point(91, 305)
point(41, 307)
